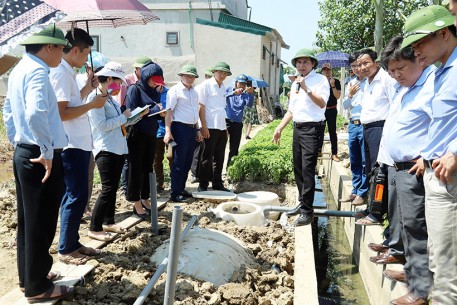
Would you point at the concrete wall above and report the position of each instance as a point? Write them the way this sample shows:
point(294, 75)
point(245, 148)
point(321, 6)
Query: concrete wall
point(379, 289)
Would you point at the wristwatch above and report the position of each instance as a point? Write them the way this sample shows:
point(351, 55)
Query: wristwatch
point(307, 90)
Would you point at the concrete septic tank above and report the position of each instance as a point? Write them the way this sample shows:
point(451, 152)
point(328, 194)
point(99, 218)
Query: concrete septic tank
point(209, 255)
point(214, 196)
point(242, 213)
point(261, 198)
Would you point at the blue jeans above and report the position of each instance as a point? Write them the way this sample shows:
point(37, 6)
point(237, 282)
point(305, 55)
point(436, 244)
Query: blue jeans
point(76, 176)
point(357, 159)
point(183, 154)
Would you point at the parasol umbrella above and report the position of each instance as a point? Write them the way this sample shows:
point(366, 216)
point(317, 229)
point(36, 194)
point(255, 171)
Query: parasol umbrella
point(21, 18)
point(257, 82)
point(102, 13)
point(337, 59)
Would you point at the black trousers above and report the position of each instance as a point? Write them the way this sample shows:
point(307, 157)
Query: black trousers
point(235, 131)
point(212, 158)
point(110, 167)
point(307, 140)
point(372, 134)
point(37, 211)
point(330, 118)
point(199, 147)
point(140, 159)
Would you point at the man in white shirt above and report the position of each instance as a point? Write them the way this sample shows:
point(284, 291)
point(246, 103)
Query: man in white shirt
point(211, 96)
point(308, 100)
point(75, 157)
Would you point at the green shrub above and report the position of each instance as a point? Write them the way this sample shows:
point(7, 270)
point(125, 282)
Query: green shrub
point(261, 160)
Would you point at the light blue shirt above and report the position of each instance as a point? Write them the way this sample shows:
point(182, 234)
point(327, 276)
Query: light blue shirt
point(106, 125)
point(353, 104)
point(30, 113)
point(442, 135)
point(236, 104)
point(408, 135)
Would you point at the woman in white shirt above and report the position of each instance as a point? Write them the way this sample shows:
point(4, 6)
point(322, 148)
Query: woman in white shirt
point(110, 148)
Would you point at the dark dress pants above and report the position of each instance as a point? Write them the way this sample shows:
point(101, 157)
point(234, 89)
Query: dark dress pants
point(395, 238)
point(37, 211)
point(158, 161)
point(198, 150)
point(235, 131)
point(411, 208)
point(183, 152)
point(109, 166)
point(307, 140)
point(372, 134)
point(212, 158)
point(140, 159)
point(330, 118)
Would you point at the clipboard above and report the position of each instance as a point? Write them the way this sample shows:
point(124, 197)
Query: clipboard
point(136, 115)
point(159, 112)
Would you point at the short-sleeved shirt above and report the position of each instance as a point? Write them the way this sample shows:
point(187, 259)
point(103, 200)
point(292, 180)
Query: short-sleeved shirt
point(301, 106)
point(212, 96)
point(184, 104)
point(63, 80)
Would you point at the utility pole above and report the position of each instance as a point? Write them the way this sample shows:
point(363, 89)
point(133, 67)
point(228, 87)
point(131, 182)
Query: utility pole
point(378, 28)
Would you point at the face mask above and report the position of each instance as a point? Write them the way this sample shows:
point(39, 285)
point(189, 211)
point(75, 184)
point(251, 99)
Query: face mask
point(114, 87)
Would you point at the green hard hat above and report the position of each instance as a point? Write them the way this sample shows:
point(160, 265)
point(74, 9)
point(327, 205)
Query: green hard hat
point(188, 70)
point(49, 35)
point(222, 66)
point(141, 61)
point(209, 71)
point(304, 53)
point(425, 21)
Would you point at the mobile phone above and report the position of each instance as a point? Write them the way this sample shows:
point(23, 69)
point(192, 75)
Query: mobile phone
point(172, 143)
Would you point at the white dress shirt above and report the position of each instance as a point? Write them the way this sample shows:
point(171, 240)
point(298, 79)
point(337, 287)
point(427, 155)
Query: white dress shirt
point(301, 106)
point(376, 97)
point(184, 104)
point(63, 80)
point(212, 96)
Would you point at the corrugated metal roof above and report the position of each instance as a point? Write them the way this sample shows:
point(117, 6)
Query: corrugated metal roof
point(229, 19)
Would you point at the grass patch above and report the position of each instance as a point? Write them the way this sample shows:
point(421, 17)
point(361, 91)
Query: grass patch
point(261, 160)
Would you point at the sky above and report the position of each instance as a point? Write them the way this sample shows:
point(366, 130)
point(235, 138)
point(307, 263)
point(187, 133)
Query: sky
point(295, 21)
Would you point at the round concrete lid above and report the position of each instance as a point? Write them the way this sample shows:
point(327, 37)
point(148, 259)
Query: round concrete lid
point(259, 197)
point(223, 255)
point(218, 195)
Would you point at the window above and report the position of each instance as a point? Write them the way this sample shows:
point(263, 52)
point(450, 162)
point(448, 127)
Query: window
point(96, 46)
point(172, 38)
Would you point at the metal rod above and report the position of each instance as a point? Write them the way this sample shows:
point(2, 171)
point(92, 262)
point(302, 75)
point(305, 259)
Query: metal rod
point(317, 212)
point(161, 268)
point(154, 210)
point(173, 254)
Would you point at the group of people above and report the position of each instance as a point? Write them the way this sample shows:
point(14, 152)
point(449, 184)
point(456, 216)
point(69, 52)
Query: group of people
point(403, 138)
point(60, 121)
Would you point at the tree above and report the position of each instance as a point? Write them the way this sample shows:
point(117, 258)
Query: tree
point(349, 25)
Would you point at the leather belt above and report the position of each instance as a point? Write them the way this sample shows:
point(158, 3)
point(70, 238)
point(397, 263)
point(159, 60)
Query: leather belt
point(188, 125)
point(404, 165)
point(374, 124)
point(308, 124)
point(331, 107)
point(429, 163)
point(356, 122)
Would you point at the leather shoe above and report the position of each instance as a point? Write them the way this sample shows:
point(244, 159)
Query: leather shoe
point(144, 216)
point(186, 194)
point(335, 158)
point(295, 211)
point(202, 188)
point(393, 275)
point(349, 199)
point(388, 259)
point(220, 187)
point(179, 198)
point(358, 201)
point(409, 299)
point(303, 220)
point(378, 247)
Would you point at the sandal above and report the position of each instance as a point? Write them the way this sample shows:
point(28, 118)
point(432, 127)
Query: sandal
point(89, 251)
point(53, 275)
point(55, 292)
point(100, 235)
point(361, 213)
point(367, 221)
point(114, 228)
point(73, 258)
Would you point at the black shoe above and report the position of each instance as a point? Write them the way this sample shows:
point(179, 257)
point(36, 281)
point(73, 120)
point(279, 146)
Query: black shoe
point(148, 210)
point(179, 198)
point(160, 189)
point(295, 211)
point(144, 216)
point(193, 179)
point(202, 188)
point(248, 137)
point(186, 194)
point(303, 220)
